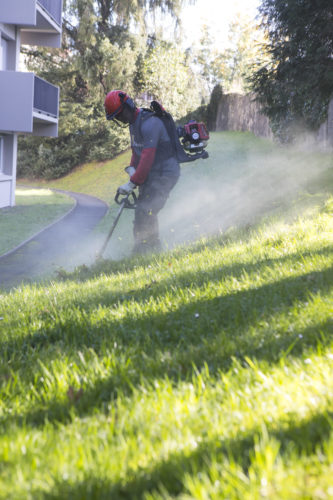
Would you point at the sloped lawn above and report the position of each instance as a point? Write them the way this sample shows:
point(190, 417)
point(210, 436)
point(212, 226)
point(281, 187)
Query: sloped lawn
point(205, 372)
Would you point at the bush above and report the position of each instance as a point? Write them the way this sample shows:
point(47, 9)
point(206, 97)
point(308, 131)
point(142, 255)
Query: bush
point(53, 158)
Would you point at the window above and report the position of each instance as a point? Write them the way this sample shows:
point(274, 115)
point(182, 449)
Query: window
point(1, 154)
point(3, 54)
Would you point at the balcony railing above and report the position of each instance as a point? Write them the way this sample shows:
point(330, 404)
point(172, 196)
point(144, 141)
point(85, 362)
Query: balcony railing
point(53, 8)
point(28, 104)
point(46, 97)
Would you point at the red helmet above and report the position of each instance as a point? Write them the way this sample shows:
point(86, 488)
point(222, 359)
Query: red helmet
point(114, 103)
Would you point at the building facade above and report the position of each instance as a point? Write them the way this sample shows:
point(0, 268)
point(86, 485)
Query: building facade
point(28, 104)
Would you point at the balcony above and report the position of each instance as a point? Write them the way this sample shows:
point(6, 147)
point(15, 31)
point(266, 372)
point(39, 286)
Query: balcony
point(28, 104)
point(52, 8)
point(46, 97)
point(39, 20)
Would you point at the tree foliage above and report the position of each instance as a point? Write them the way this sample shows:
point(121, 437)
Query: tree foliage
point(166, 75)
point(104, 47)
point(231, 65)
point(296, 85)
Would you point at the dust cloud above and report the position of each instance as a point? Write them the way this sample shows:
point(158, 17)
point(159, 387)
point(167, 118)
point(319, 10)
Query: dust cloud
point(237, 186)
point(237, 190)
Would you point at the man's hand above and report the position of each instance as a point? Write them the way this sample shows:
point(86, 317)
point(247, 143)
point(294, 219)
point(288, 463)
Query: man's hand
point(126, 188)
point(130, 170)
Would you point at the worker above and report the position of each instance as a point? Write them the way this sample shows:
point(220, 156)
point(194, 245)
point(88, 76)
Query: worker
point(153, 167)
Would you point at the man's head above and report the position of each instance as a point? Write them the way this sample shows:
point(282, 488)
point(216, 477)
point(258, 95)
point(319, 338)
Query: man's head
point(119, 107)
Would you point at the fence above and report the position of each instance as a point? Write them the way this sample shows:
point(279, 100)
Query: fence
point(243, 113)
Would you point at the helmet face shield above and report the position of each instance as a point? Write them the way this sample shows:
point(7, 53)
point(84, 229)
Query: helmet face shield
point(112, 116)
point(115, 102)
point(119, 120)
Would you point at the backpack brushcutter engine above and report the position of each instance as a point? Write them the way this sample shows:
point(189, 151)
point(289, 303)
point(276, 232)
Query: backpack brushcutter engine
point(194, 136)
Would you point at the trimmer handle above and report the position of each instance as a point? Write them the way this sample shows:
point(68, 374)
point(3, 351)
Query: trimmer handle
point(129, 200)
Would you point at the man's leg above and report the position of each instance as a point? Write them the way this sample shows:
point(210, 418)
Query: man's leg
point(152, 198)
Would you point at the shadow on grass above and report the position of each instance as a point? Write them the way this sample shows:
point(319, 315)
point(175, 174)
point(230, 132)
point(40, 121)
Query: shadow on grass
point(98, 297)
point(104, 391)
point(302, 439)
point(235, 310)
point(169, 344)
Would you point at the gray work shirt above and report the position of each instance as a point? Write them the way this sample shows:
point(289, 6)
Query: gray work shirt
point(149, 132)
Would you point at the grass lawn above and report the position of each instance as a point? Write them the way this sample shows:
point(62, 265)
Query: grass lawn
point(34, 210)
point(205, 372)
point(99, 179)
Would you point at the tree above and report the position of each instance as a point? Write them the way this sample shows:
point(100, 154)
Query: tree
point(204, 57)
point(99, 52)
point(243, 52)
point(166, 76)
point(231, 66)
point(296, 85)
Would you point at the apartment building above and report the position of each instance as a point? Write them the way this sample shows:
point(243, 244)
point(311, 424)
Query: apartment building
point(28, 104)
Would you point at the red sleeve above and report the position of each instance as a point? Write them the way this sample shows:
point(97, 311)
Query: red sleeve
point(135, 159)
point(146, 160)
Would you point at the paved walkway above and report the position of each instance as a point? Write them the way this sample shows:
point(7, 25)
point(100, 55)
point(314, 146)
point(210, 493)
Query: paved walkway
point(63, 244)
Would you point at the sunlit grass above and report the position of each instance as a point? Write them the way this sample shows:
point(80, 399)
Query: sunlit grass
point(24, 194)
point(201, 373)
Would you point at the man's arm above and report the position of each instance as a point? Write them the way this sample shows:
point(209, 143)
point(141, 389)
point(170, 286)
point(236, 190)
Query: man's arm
point(134, 159)
point(151, 132)
point(146, 161)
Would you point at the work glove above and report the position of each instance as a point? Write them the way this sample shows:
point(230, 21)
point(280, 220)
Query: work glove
point(130, 170)
point(126, 188)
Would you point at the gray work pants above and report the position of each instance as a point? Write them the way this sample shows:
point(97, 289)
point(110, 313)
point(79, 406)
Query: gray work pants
point(153, 195)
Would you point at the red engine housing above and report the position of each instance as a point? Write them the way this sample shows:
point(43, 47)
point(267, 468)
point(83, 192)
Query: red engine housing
point(192, 128)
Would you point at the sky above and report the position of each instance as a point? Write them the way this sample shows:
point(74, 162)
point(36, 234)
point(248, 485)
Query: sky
point(217, 14)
